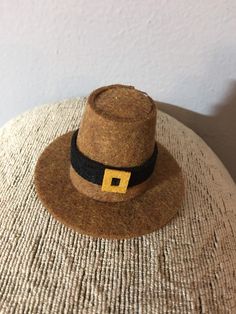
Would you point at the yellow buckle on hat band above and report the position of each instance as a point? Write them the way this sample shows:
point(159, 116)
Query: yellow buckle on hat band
point(115, 181)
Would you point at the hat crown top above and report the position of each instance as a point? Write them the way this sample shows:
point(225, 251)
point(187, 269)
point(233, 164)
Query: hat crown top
point(121, 102)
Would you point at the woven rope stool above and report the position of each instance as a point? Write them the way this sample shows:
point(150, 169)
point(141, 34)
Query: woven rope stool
point(188, 266)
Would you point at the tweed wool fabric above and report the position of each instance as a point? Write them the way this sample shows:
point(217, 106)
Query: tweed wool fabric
point(188, 266)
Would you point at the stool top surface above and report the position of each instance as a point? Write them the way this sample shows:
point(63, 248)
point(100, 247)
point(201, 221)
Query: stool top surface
point(187, 266)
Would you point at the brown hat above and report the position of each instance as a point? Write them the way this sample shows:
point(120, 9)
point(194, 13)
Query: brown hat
point(110, 177)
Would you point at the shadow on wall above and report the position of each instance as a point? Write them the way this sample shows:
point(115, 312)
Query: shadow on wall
point(217, 130)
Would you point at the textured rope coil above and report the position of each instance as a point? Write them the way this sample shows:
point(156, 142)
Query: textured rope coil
point(189, 266)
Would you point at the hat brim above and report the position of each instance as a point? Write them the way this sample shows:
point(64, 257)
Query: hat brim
point(139, 216)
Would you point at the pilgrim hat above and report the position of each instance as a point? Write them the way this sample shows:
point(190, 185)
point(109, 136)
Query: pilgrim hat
point(111, 178)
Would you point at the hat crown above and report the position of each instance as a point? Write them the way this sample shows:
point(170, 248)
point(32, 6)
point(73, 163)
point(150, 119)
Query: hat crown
point(118, 126)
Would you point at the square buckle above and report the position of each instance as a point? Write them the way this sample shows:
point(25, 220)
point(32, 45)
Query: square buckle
point(115, 181)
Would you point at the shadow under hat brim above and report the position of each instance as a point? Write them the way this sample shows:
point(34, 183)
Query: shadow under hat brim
point(136, 217)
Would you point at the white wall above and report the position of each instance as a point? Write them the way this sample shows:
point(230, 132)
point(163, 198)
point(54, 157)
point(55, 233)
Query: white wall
point(181, 52)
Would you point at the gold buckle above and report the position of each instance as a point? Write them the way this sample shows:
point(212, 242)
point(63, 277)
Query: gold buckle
point(115, 181)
